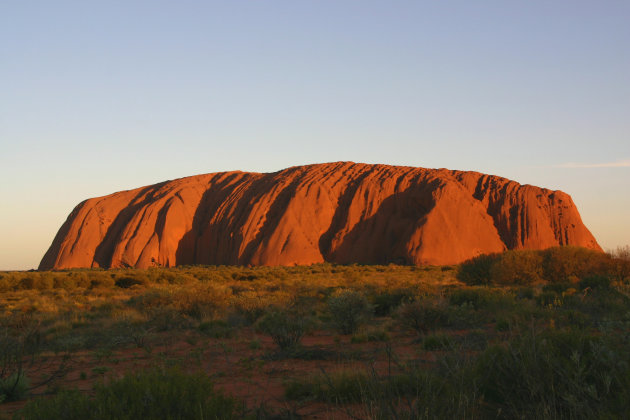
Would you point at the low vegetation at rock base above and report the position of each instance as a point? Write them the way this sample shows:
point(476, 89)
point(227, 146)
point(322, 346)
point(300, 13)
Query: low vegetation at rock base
point(523, 334)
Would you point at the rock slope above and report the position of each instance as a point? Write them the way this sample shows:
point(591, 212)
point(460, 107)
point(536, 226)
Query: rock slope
point(337, 212)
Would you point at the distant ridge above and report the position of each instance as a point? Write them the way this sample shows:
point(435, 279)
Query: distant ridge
point(340, 212)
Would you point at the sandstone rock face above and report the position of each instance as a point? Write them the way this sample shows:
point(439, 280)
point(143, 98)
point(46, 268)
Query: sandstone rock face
point(337, 212)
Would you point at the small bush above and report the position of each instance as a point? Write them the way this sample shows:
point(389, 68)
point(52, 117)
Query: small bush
point(370, 335)
point(477, 298)
point(14, 387)
point(568, 264)
point(414, 394)
point(204, 301)
point(348, 310)
point(36, 281)
point(525, 293)
point(103, 280)
point(437, 342)
point(151, 299)
point(476, 271)
point(547, 298)
point(216, 329)
point(126, 282)
point(423, 315)
point(340, 387)
point(384, 303)
point(166, 319)
point(595, 283)
point(577, 320)
point(251, 305)
point(502, 324)
point(5, 286)
point(621, 263)
point(67, 405)
point(475, 340)
point(463, 316)
point(522, 267)
point(621, 253)
point(285, 328)
point(557, 288)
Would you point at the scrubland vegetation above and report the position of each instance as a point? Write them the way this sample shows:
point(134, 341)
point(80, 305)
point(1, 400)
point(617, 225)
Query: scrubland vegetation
point(523, 334)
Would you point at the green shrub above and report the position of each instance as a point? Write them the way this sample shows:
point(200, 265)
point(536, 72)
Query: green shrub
point(413, 394)
point(557, 288)
point(477, 298)
point(476, 271)
point(125, 282)
point(20, 347)
point(547, 298)
point(154, 394)
point(36, 281)
point(372, 334)
point(436, 342)
point(339, 387)
point(569, 264)
point(599, 303)
point(385, 302)
point(462, 316)
point(576, 320)
point(80, 278)
point(620, 263)
point(621, 253)
point(424, 314)
point(151, 299)
point(216, 329)
point(286, 328)
point(14, 387)
point(522, 267)
point(251, 306)
point(67, 405)
point(348, 310)
point(101, 280)
point(595, 283)
point(205, 301)
point(476, 339)
point(502, 324)
point(621, 270)
point(167, 319)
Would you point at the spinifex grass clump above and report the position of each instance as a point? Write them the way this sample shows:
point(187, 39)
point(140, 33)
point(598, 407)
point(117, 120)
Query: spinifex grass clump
point(342, 386)
point(544, 374)
point(408, 394)
point(21, 354)
point(556, 374)
point(13, 381)
point(154, 394)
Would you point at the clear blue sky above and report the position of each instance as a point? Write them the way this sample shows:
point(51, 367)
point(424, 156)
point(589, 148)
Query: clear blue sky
point(97, 97)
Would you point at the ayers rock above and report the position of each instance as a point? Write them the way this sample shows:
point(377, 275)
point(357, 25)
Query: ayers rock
point(337, 212)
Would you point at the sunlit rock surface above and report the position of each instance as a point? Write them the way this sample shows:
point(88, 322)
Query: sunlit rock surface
point(339, 212)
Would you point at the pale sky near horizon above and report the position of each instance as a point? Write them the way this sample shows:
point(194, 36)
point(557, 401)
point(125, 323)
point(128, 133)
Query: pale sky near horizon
point(97, 97)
